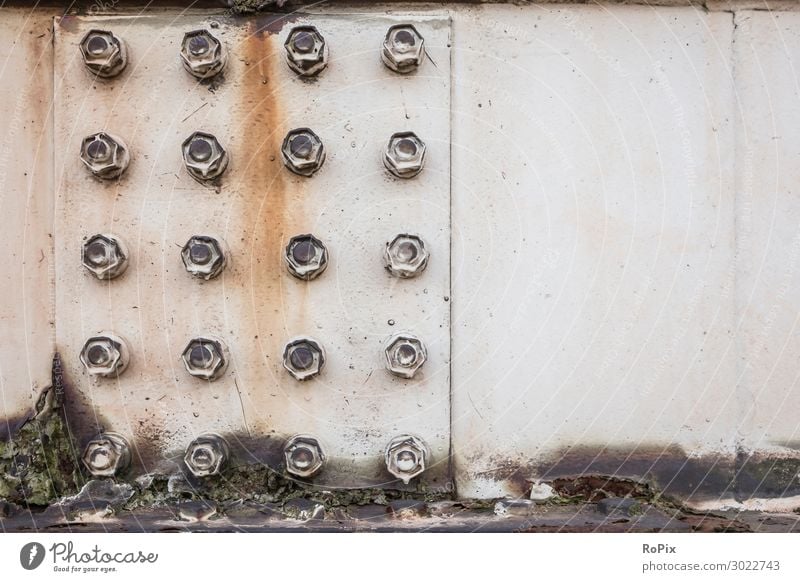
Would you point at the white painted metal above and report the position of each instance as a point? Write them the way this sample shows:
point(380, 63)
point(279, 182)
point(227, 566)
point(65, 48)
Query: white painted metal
point(26, 178)
point(352, 204)
point(768, 230)
point(593, 237)
point(624, 238)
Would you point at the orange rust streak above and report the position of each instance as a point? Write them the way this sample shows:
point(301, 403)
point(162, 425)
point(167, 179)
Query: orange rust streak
point(272, 202)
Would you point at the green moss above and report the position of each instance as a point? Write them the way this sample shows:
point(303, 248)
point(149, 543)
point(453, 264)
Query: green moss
point(260, 484)
point(37, 464)
point(251, 6)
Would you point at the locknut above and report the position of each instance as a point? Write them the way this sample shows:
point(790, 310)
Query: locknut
point(204, 256)
point(303, 358)
point(406, 256)
point(105, 256)
point(107, 454)
point(306, 257)
point(105, 355)
point(303, 152)
point(202, 54)
point(203, 156)
point(406, 457)
point(405, 354)
point(104, 53)
point(404, 155)
point(303, 455)
point(306, 51)
point(105, 155)
point(206, 455)
point(206, 357)
point(403, 48)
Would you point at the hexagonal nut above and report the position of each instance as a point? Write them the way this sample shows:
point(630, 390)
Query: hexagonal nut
point(406, 256)
point(303, 152)
point(403, 48)
point(303, 358)
point(404, 155)
point(206, 357)
point(406, 457)
point(107, 454)
point(105, 155)
point(204, 157)
point(204, 256)
point(105, 355)
point(303, 455)
point(104, 53)
point(105, 256)
point(206, 455)
point(405, 354)
point(306, 51)
point(306, 257)
point(203, 55)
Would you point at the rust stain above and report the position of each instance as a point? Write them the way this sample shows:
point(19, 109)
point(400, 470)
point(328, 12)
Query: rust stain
point(273, 204)
point(668, 470)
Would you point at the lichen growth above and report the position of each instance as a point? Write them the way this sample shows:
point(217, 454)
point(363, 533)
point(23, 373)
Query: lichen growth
point(261, 484)
point(251, 6)
point(37, 463)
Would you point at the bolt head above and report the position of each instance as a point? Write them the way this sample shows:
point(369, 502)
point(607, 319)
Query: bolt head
point(303, 358)
point(303, 455)
point(403, 48)
point(105, 256)
point(206, 357)
point(303, 152)
point(406, 457)
point(306, 51)
point(104, 53)
point(203, 55)
point(206, 455)
point(306, 257)
point(406, 256)
point(105, 355)
point(405, 354)
point(106, 455)
point(404, 155)
point(204, 157)
point(204, 257)
point(105, 155)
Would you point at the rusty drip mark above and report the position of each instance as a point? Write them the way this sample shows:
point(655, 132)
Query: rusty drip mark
point(265, 206)
point(271, 209)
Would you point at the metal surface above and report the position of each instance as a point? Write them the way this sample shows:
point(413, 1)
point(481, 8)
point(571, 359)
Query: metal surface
point(204, 56)
point(27, 320)
point(107, 455)
point(104, 54)
point(205, 158)
point(106, 156)
point(206, 358)
point(593, 248)
point(624, 256)
point(206, 455)
point(105, 256)
point(406, 256)
point(105, 355)
point(306, 51)
point(255, 306)
point(303, 456)
point(768, 259)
